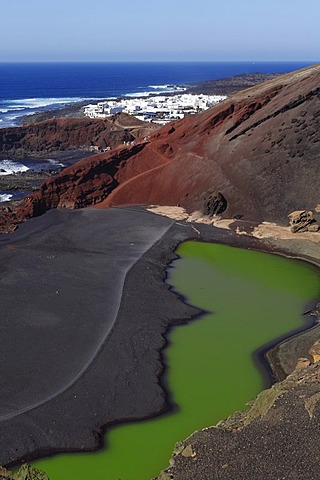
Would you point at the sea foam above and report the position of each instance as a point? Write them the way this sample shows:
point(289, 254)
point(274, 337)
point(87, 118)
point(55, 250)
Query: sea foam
point(157, 90)
point(25, 103)
point(12, 110)
point(167, 88)
point(55, 163)
point(5, 197)
point(8, 167)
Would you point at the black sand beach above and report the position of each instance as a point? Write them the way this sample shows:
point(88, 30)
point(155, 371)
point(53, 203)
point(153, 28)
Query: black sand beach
point(83, 292)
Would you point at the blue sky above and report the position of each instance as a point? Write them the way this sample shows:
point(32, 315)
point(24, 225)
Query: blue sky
point(145, 30)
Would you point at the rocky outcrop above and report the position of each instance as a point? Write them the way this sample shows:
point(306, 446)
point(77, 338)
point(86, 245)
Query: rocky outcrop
point(303, 221)
point(88, 183)
point(26, 472)
point(214, 204)
point(276, 438)
point(70, 134)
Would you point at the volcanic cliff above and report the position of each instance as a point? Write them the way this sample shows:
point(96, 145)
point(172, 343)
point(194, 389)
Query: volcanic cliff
point(70, 134)
point(258, 151)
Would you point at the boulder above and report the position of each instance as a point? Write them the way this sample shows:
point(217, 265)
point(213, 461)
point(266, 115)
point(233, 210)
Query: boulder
point(215, 204)
point(302, 221)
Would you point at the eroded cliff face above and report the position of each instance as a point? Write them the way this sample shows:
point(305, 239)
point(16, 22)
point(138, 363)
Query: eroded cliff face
point(69, 134)
point(259, 149)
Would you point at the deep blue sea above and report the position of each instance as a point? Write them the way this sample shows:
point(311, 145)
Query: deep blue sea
point(26, 88)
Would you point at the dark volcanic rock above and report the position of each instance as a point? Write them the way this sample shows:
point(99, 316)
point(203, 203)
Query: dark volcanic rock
point(230, 85)
point(215, 204)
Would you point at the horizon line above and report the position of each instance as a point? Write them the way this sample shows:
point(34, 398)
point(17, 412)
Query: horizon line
point(157, 61)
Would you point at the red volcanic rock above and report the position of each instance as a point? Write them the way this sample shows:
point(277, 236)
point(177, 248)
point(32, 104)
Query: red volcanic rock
point(259, 149)
point(88, 182)
point(70, 134)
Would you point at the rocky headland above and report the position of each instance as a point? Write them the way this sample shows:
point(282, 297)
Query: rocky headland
point(230, 85)
point(61, 134)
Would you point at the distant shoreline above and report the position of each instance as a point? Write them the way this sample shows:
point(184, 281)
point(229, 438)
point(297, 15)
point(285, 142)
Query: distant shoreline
point(223, 86)
point(36, 88)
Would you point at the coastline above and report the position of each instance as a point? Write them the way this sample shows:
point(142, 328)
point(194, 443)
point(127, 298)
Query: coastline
point(20, 184)
point(224, 86)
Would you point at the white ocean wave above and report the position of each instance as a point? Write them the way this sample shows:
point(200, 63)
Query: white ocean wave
point(5, 197)
point(8, 167)
point(11, 117)
point(157, 87)
point(168, 87)
point(14, 109)
point(141, 94)
point(42, 102)
point(157, 90)
point(55, 162)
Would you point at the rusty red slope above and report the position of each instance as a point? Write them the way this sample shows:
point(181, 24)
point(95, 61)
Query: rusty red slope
point(260, 148)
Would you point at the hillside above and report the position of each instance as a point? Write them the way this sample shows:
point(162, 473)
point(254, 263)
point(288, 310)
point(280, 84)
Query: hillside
point(62, 134)
point(229, 85)
point(260, 149)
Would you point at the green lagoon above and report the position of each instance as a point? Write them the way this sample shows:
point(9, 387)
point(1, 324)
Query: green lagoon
point(254, 298)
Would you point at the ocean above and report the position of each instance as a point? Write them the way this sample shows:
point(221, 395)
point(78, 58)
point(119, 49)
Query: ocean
point(27, 88)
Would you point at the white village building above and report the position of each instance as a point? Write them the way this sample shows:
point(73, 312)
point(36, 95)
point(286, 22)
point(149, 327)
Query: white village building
point(159, 108)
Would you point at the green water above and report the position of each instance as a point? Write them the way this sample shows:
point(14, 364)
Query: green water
point(255, 298)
